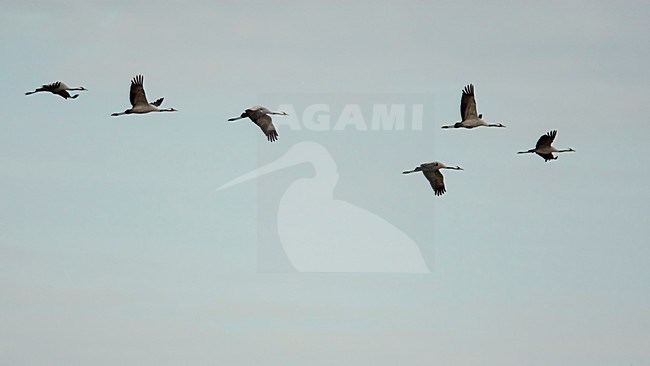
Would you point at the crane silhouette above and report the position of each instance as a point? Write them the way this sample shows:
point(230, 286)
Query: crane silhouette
point(431, 171)
point(261, 116)
point(58, 88)
point(544, 148)
point(139, 102)
point(468, 114)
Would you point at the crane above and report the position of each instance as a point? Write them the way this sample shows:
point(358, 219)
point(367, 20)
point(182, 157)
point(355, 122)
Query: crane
point(139, 102)
point(431, 171)
point(58, 88)
point(468, 114)
point(544, 149)
point(261, 116)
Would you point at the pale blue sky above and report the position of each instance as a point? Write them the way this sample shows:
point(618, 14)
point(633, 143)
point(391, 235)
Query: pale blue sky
point(115, 249)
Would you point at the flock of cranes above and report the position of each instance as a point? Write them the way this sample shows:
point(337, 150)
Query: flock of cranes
point(471, 119)
point(261, 116)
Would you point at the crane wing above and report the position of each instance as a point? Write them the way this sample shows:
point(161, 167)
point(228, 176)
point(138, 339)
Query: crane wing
point(546, 140)
point(266, 124)
point(468, 103)
point(64, 93)
point(436, 180)
point(260, 109)
point(137, 95)
point(158, 102)
point(547, 157)
point(51, 87)
point(429, 166)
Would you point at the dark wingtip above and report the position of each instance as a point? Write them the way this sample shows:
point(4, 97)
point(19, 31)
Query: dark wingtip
point(158, 102)
point(138, 79)
point(273, 136)
point(469, 89)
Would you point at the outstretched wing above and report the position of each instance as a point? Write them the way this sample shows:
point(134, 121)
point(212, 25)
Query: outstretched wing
point(436, 180)
point(260, 109)
point(429, 166)
point(547, 157)
point(52, 87)
point(137, 95)
point(266, 124)
point(546, 140)
point(468, 103)
point(64, 93)
point(158, 102)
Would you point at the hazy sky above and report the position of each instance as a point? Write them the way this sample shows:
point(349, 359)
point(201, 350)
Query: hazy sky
point(116, 249)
